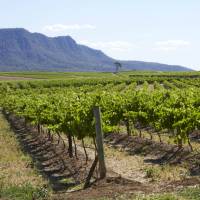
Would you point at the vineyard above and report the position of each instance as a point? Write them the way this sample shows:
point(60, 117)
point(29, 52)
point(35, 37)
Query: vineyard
point(163, 109)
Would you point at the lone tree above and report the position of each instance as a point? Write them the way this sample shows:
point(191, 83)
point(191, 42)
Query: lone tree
point(118, 66)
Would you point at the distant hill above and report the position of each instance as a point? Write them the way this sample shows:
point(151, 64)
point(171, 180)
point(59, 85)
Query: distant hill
point(21, 50)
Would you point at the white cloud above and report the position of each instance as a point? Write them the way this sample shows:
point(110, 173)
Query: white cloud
point(112, 45)
point(171, 45)
point(60, 28)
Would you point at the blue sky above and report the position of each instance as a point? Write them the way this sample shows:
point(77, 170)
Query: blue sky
point(149, 30)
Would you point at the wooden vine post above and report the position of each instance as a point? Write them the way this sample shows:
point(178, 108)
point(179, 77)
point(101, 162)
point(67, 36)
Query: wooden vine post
point(99, 142)
point(100, 151)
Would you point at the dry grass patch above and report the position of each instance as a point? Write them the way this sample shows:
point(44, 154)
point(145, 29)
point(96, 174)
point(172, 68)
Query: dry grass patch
point(165, 173)
point(16, 168)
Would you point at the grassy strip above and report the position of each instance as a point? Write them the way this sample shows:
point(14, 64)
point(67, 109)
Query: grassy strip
point(184, 194)
point(24, 192)
point(19, 179)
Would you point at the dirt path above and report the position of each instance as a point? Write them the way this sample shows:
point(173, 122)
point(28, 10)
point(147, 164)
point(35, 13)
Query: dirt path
point(144, 160)
point(10, 78)
point(130, 167)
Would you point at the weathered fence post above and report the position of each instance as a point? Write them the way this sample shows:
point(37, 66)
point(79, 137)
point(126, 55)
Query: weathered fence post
point(99, 146)
point(99, 141)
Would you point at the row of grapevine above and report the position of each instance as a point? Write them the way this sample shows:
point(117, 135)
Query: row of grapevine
point(68, 110)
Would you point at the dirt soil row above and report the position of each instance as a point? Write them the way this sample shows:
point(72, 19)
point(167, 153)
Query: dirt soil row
point(156, 152)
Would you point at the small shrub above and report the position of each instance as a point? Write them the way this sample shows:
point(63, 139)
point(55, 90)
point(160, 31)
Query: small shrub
point(152, 173)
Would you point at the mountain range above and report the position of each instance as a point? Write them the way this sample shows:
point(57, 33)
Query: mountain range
point(21, 50)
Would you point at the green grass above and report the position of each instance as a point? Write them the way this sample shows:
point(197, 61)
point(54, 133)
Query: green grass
point(75, 75)
point(185, 194)
point(58, 75)
point(24, 192)
point(190, 193)
point(159, 197)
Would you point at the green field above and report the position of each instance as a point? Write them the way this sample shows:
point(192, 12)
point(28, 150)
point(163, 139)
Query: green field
point(66, 75)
